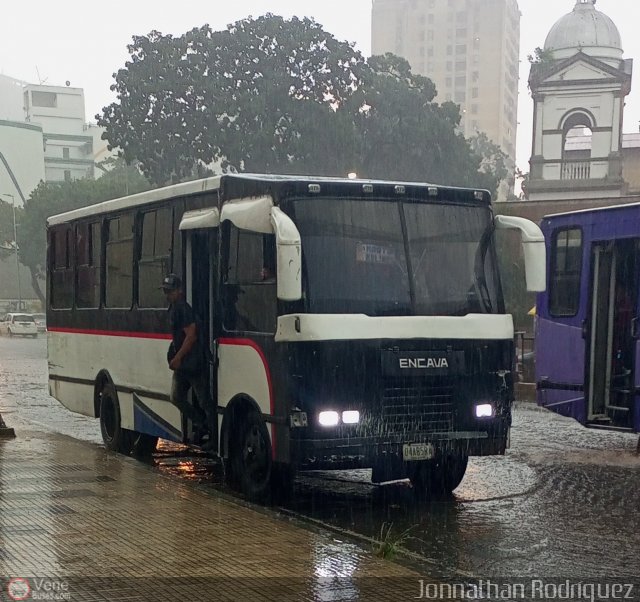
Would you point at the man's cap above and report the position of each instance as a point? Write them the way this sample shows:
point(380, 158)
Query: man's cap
point(171, 283)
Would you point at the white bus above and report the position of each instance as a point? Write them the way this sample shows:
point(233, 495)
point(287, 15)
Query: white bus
point(380, 341)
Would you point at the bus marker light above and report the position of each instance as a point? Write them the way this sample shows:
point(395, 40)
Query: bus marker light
point(484, 410)
point(298, 419)
point(351, 417)
point(329, 418)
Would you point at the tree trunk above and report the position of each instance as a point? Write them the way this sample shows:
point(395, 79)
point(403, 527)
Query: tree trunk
point(36, 286)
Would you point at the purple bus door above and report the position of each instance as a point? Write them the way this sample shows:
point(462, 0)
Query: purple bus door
point(611, 352)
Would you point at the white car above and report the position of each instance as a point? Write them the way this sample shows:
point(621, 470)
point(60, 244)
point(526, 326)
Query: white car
point(41, 322)
point(19, 325)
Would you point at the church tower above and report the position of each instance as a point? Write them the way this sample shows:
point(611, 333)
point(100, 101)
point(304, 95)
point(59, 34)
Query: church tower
point(579, 84)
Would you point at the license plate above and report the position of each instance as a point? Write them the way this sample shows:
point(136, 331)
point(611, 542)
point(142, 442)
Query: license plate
point(412, 452)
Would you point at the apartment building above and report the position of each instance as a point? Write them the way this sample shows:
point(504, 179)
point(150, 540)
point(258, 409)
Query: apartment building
point(468, 48)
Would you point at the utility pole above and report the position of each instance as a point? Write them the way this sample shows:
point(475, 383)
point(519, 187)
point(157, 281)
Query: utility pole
point(15, 242)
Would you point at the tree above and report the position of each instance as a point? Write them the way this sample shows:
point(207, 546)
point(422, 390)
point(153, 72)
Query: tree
point(540, 56)
point(275, 95)
point(52, 198)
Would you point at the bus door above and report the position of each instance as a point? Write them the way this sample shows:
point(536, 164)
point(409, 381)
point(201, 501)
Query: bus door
point(201, 252)
point(613, 325)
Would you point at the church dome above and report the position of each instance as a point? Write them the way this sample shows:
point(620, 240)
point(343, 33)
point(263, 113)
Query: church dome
point(585, 29)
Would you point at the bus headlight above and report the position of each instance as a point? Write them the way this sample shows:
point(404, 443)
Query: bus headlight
point(329, 418)
point(485, 410)
point(351, 417)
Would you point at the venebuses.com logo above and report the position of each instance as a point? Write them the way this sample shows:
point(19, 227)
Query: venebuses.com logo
point(20, 588)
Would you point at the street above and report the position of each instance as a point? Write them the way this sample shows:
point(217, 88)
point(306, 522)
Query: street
point(563, 503)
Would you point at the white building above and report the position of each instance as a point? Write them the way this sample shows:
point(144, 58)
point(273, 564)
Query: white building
point(580, 86)
point(44, 136)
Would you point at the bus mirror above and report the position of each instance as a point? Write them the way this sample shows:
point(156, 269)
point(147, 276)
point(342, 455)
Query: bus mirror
point(533, 248)
point(289, 256)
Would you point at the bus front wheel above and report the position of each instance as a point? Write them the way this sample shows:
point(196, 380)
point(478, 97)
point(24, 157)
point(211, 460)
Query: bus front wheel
point(114, 436)
point(251, 463)
point(440, 476)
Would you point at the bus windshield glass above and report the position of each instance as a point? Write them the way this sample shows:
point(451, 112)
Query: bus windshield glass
point(386, 258)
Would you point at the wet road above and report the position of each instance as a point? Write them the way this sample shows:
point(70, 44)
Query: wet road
point(563, 503)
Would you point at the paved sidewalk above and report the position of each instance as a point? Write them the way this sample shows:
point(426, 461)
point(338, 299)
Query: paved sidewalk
point(80, 523)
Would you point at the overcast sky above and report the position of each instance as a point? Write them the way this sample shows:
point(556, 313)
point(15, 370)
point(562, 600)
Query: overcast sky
point(84, 41)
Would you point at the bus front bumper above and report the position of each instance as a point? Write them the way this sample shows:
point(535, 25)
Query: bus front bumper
point(364, 452)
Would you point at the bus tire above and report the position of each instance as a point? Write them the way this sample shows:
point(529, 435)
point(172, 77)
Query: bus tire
point(143, 445)
point(115, 437)
point(440, 476)
point(251, 463)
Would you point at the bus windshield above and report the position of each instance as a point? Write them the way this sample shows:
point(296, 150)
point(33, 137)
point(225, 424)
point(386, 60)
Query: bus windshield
point(390, 258)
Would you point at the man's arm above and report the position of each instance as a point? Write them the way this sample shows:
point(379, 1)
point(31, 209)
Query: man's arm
point(191, 336)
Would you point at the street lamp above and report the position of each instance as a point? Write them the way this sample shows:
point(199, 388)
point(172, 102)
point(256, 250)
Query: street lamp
point(15, 242)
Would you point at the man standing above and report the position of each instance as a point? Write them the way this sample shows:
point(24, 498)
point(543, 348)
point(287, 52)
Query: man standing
point(188, 360)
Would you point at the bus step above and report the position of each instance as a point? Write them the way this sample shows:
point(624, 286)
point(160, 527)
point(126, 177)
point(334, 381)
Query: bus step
point(608, 427)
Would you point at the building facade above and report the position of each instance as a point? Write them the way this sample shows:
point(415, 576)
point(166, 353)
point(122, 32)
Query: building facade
point(579, 87)
point(44, 137)
point(468, 48)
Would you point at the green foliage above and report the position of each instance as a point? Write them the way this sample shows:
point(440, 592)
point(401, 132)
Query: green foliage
point(388, 544)
point(540, 56)
point(274, 95)
point(52, 198)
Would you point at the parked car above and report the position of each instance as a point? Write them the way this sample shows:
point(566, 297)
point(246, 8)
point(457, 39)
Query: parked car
point(19, 325)
point(41, 322)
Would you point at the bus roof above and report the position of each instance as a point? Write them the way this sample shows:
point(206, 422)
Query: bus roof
point(239, 185)
point(592, 210)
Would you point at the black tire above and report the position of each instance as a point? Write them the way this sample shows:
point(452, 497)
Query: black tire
point(143, 445)
point(115, 437)
point(250, 462)
point(439, 477)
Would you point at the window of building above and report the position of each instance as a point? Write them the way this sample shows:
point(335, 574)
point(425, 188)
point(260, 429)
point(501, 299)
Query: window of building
point(475, 76)
point(449, 66)
point(449, 50)
point(461, 17)
point(474, 92)
point(461, 32)
point(88, 261)
point(119, 262)
point(154, 260)
point(61, 268)
point(461, 81)
point(474, 109)
point(65, 153)
point(44, 99)
point(430, 35)
point(461, 65)
point(460, 96)
point(566, 271)
point(67, 175)
point(461, 49)
point(250, 294)
point(430, 51)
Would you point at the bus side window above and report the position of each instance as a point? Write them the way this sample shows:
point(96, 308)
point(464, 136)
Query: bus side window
point(154, 257)
point(88, 262)
point(566, 271)
point(249, 287)
point(61, 268)
point(119, 262)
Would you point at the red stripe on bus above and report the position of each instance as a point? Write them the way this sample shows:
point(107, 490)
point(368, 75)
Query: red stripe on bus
point(256, 347)
point(111, 333)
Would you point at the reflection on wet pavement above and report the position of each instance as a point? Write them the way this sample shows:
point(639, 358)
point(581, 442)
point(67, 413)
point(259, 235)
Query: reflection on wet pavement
point(564, 501)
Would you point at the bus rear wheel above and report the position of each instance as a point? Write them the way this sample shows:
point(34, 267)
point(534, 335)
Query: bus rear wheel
point(440, 476)
point(114, 436)
point(251, 463)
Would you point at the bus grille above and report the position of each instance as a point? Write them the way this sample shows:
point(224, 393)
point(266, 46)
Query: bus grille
point(417, 406)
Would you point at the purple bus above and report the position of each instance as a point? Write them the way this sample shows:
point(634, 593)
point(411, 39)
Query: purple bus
point(587, 359)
